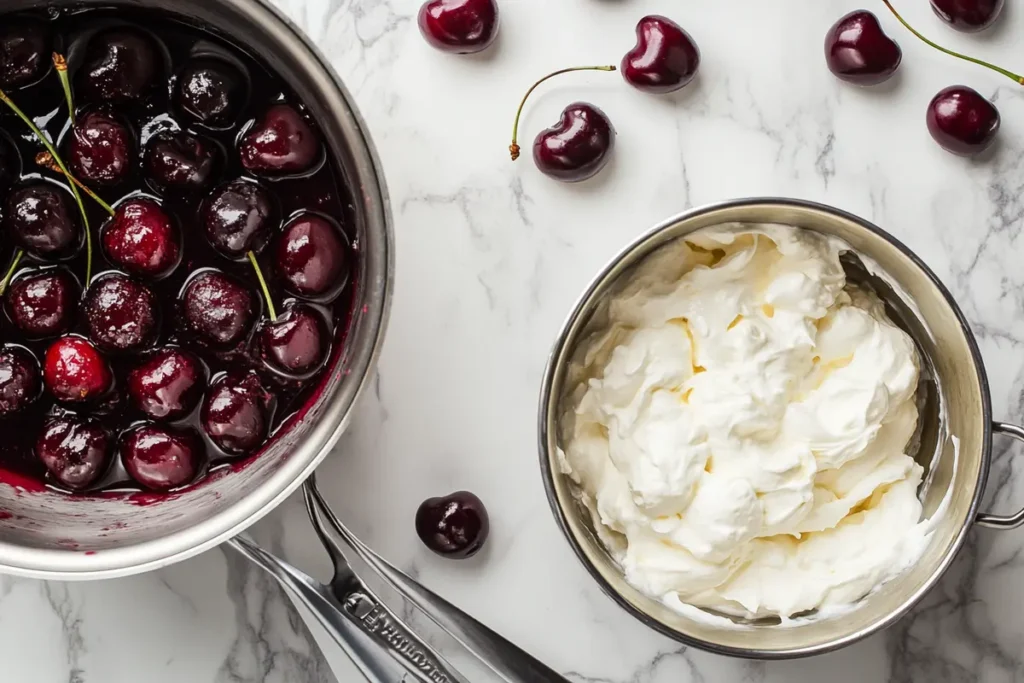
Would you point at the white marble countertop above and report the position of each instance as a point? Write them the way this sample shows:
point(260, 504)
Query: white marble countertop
point(491, 255)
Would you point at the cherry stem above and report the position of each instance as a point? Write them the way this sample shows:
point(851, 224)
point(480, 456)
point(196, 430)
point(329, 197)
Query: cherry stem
point(61, 65)
point(74, 189)
point(514, 147)
point(263, 284)
point(10, 273)
point(46, 160)
point(1009, 74)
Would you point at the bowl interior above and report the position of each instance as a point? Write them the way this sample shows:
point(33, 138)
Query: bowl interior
point(956, 405)
point(56, 536)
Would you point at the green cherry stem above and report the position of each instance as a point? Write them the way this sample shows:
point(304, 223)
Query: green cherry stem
point(10, 273)
point(46, 160)
point(263, 284)
point(61, 65)
point(74, 189)
point(514, 147)
point(1009, 74)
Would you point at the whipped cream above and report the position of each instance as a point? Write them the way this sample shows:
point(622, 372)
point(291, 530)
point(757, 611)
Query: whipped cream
point(740, 430)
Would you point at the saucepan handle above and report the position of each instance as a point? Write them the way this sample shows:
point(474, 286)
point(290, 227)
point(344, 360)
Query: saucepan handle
point(987, 519)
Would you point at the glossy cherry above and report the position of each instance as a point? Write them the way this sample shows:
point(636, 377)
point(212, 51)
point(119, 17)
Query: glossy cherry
point(312, 256)
point(858, 51)
point(10, 162)
point(296, 343)
point(235, 413)
point(42, 304)
point(75, 451)
point(19, 379)
point(578, 146)
point(167, 384)
point(100, 149)
point(962, 121)
point(280, 143)
point(664, 59)
point(459, 26)
point(239, 217)
point(210, 91)
point(142, 238)
point(121, 314)
point(216, 309)
point(42, 219)
point(968, 15)
point(25, 46)
point(75, 371)
point(455, 526)
point(161, 458)
point(180, 162)
point(121, 65)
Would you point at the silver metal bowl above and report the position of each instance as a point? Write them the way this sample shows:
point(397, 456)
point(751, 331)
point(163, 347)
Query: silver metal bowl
point(958, 405)
point(53, 536)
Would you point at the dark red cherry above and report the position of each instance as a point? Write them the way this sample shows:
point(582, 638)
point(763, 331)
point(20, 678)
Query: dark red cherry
point(167, 384)
point(74, 450)
point(74, 371)
point(665, 57)
point(121, 65)
point(161, 458)
point(43, 220)
point(216, 309)
point(578, 146)
point(25, 47)
point(455, 526)
point(42, 303)
point(100, 149)
point(142, 238)
point(858, 51)
point(211, 91)
point(968, 15)
point(962, 121)
point(10, 162)
point(280, 143)
point(120, 313)
point(179, 161)
point(234, 413)
point(296, 343)
point(19, 379)
point(239, 217)
point(459, 26)
point(312, 256)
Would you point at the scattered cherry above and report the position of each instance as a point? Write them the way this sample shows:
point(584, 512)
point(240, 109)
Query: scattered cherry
point(211, 91)
point(665, 57)
point(280, 143)
point(180, 161)
point(216, 309)
point(167, 384)
point(968, 15)
point(858, 51)
point(10, 162)
point(42, 303)
point(42, 219)
point(578, 146)
point(239, 217)
point(234, 413)
point(74, 371)
point(100, 149)
point(312, 256)
point(962, 121)
point(296, 343)
point(24, 52)
point(161, 458)
point(455, 526)
point(74, 450)
point(121, 65)
point(120, 313)
point(19, 379)
point(142, 238)
point(459, 26)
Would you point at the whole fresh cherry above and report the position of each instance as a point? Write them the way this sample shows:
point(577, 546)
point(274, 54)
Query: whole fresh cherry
point(42, 303)
point(25, 46)
point(121, 314)
point(75, 451)
point(74, 371)
point(235, 413)
point(10, 162)
point(962, 121)
point(167, 384)
point(100, 149)
point(216, 309)
point(239, 217)
point(665, 57)
point(968, 15)
point(161, 458)
point(578, 146)
point(19, 379)
point(142, 238)
point(280, 143)
point(455, 526)
point(296, 343)
point(459, 26)
point(312, 256)
point(179, 161)
point(211, 91)
point(41, 218)
point(858, 51)
point(121, 65)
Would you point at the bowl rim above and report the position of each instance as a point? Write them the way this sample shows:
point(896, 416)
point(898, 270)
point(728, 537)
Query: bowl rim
point(547, 419)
